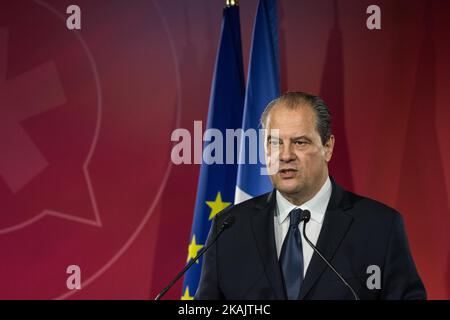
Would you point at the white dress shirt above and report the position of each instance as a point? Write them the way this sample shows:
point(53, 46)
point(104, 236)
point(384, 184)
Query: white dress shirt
point(317, 205)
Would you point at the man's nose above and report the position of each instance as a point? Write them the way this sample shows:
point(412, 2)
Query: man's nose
point(286, 152)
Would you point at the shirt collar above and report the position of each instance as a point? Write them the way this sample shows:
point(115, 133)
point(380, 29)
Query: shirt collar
point(317, 205)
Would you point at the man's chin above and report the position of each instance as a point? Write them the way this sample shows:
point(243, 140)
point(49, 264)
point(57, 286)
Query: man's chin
point(288, 188)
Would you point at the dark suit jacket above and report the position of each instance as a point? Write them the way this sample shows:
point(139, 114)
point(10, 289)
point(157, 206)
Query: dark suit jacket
point(357, 232)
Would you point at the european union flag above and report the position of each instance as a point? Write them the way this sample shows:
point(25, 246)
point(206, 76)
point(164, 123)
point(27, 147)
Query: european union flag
point(217, 181)
point(262, 87)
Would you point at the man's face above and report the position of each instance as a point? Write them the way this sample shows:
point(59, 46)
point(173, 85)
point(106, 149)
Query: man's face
point(295, 150)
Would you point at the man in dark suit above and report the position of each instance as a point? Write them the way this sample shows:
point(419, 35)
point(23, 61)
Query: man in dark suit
point(264, 254)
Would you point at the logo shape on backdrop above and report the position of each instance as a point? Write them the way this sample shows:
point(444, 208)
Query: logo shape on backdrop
point(25, 169)
point(63, 203)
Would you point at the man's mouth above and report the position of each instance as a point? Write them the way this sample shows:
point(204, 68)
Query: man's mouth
point(287, 173)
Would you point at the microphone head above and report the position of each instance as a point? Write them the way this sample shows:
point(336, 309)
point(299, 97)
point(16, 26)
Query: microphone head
point(306, 215)
point(228, 222)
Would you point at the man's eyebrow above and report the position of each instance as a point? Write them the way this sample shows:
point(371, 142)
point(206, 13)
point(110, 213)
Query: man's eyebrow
point(304, 137)
point(301, 137)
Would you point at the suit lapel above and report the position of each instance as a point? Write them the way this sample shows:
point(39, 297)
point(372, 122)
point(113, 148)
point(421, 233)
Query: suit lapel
point(335, 226)
point(263, 232)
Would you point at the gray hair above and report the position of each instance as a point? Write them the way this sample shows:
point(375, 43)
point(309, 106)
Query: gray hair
point(293, 100)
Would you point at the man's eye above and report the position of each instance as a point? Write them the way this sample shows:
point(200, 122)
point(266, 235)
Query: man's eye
point(300, 143)
point(274, 142)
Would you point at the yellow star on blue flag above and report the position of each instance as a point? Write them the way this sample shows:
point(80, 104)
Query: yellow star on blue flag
point(193, 249)
point(186, 295)
point(217, 205)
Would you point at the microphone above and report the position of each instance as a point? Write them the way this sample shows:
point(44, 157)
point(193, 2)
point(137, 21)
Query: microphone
point(306, 216)
point(227, 223)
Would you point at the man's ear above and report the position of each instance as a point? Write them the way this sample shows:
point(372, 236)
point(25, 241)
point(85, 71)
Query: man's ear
point(329, 146)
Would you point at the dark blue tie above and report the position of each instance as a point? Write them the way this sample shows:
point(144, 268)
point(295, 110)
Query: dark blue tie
point(291, 257)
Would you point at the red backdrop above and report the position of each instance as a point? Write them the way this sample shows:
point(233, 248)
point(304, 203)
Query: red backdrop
point(86, 118)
